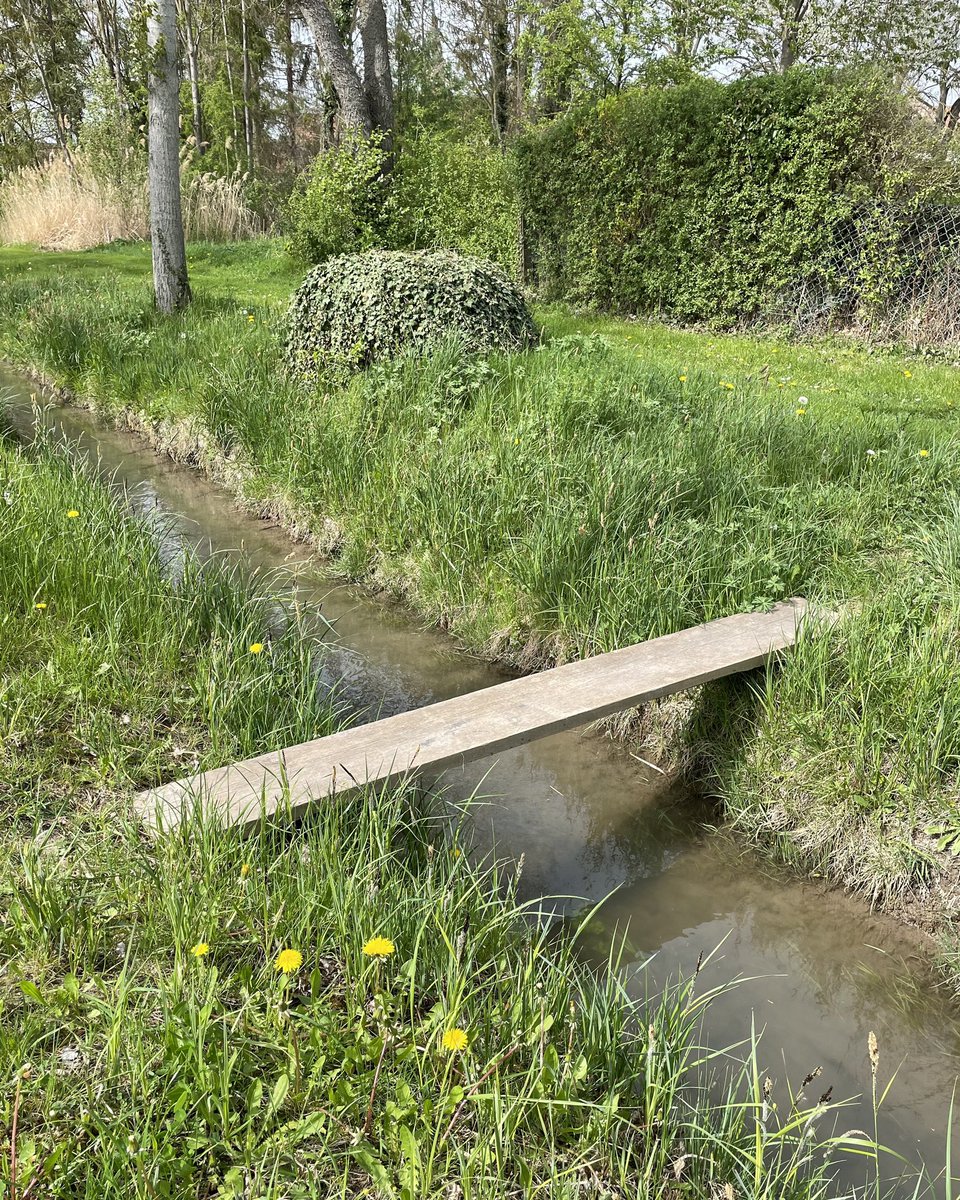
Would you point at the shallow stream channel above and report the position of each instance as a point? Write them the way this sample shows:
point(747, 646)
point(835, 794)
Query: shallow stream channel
point(817, 969)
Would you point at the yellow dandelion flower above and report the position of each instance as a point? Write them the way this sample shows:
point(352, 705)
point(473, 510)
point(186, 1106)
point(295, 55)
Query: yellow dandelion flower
point(257, 648)
point(250, 319)
point(200, 950)
point(908, 374)
point(244, 870)
point(924, 453)
point(379, 947)
point(801, 412)
point(41, 605)
point(455, 1040)
point(288, 961)
point(73, 514)
point(682, 378)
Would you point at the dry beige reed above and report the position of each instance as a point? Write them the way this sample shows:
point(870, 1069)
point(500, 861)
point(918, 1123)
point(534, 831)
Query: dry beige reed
point(65, 206)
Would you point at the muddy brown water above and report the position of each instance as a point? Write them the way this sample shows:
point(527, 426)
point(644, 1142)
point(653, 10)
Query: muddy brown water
point(818, 970)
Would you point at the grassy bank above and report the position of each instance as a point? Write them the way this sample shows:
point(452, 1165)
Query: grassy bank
point(621, 482)
point(348, 1008)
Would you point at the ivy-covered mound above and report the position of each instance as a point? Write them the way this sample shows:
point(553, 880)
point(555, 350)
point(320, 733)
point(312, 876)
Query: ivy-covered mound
point(357, 308)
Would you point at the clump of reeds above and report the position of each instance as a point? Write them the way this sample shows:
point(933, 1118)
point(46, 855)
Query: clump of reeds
point(215, 209)
point(67, 205)
point(62, 205)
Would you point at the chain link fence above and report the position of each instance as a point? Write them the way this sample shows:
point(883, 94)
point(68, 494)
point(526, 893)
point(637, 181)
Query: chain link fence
point(892, 274)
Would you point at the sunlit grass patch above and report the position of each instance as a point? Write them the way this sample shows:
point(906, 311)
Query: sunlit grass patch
point(116, 675)
point(177, 1023)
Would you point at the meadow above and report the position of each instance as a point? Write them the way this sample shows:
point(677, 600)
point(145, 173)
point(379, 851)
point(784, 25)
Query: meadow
point(623, 480)
point(355, 1006)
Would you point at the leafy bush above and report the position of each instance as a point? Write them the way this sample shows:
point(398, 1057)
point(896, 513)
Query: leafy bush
point(458, 193)
point(713, 201)
point(445, 192)
point(355, 309)
point(342, 204)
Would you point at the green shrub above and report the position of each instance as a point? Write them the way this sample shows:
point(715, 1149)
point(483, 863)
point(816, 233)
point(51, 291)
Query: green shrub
point(445, 192)
point(728, 202)
point(342, 205)
point(355, 309)
point(458, 193)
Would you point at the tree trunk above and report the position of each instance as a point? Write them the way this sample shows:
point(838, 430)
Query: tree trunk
point(191, 40)
point(336, 62)
point(377, 73)
point(101, 30)
point(943, 93)
point(290, 76)
point(796, 10)
point(229, 70)
point(163, 161)
point(57, 116)
point(248, 138)
point(500, 67)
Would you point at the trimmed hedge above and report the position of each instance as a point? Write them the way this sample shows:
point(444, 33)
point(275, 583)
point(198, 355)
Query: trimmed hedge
point(353, 310)
point(730, 201)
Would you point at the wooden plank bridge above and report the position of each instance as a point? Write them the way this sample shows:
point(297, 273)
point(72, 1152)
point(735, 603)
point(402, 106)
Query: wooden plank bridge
point(458, 731)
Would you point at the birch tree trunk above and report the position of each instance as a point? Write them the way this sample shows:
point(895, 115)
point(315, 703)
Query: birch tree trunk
point(191, 38)
point(170, 282)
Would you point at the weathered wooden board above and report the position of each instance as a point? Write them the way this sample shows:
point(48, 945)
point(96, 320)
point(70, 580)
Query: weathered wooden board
point(474, 726)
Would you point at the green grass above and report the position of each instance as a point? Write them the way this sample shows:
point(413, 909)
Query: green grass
point(837, 376)
point(110, 676)
point(149, 1045)
point(584, 496)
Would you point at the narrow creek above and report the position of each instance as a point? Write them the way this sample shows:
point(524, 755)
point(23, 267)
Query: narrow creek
point(818, 969)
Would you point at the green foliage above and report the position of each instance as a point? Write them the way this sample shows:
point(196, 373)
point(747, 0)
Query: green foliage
point(342, 205)
point(114, 147)
point(114, 676)
point(222, 153)
point(446, 191)
point(355, 310)
point(712, 201)
point(457, 193)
